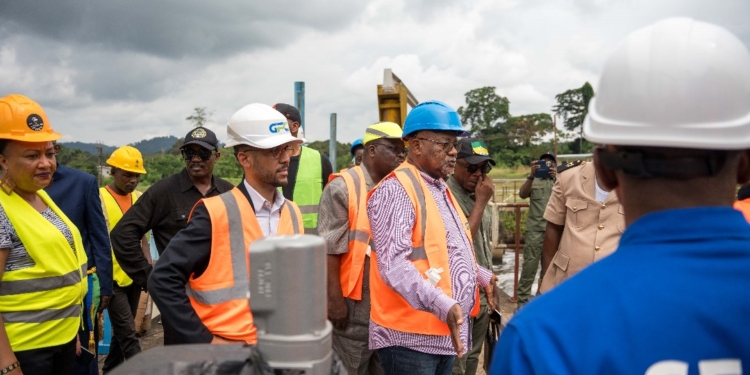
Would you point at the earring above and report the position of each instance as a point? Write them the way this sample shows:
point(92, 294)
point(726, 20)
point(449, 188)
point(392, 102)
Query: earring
point(6, 184)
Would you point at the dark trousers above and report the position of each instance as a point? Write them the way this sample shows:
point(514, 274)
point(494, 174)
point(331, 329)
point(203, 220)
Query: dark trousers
point(122, 309)
point(397, 360)
point(53, 360)
point(93, 367)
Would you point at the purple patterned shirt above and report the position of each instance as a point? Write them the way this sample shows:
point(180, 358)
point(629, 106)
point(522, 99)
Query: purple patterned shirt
point(392, 217)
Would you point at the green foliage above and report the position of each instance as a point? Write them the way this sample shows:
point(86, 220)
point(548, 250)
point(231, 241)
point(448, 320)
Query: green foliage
point(343, 155)
point(159, 166)
point(199, 117)
point(75, 158)
point(573, 106)
point(508, 225)
point(227, 167)
point(155, 145)
point(512, 140)
point(483, 110)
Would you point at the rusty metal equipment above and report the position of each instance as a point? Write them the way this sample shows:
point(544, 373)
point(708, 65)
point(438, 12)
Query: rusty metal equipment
point(517, 245)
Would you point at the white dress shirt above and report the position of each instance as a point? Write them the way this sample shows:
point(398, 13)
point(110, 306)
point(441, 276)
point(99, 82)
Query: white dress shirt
point(268, 214)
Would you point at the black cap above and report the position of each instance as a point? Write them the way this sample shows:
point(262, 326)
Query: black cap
point(550, 154)
point(289, 111)
point(203, 137)
point(743, 193)
point(474, 151)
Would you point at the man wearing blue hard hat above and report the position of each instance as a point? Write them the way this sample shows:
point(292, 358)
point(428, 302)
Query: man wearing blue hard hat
point(357, 150)
point(425, 280)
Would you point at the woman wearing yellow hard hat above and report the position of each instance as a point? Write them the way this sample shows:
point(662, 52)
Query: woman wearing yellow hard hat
point(42, 260)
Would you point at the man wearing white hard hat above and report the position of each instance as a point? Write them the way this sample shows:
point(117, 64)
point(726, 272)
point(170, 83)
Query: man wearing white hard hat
point(199, 262)
point(672, 114)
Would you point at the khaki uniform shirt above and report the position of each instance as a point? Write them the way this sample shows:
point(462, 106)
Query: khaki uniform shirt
point(592, 229)
point(541, 189)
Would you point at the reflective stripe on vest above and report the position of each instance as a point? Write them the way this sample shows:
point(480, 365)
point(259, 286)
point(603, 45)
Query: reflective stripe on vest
point(308, 187)
point(41, 305)
point(351, 271)
point(429, 250)
point(220, 296)
point(113, 213)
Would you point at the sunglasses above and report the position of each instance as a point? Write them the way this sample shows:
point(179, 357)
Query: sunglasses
point(276, 151)
point(447, 145)
point(472, 168)
point(203, 154)
point(395, 150)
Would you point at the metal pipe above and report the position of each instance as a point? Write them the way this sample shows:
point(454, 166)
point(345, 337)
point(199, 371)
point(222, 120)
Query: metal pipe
point(332, 142)
point(299, 102)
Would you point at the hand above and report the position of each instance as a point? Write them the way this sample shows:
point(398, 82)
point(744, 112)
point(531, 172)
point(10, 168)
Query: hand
point(103, 303)
point(534, 167)
point(489, 291)
point(338, 313)
point(484, 189)
point(217, 340)
point(454, 320)
point(553, 171)
point(78, 345)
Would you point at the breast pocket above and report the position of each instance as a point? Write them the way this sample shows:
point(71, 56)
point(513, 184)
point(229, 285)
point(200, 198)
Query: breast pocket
point(180, 215)
point(576, 215)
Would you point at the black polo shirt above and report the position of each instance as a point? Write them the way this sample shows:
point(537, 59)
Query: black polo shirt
point(164, 209)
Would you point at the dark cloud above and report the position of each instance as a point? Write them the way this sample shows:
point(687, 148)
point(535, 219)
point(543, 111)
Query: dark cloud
point(176, 28)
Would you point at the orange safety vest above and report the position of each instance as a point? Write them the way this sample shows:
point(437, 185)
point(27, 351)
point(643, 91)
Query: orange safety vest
point(220, 296)
point(430, 250)
point(744, 207)
point(353, 262)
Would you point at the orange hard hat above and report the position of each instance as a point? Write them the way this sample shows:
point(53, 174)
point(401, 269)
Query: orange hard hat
point(22, 119)
point(127, 158)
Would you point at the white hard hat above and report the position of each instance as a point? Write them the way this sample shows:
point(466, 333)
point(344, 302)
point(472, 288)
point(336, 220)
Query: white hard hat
point(677, 83)
point(259, 125)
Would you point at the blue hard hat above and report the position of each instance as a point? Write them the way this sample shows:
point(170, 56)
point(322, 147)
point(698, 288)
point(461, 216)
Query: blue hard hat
point(357, 143)
point(433, 115)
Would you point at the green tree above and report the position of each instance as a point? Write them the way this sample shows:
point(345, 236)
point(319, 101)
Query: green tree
point(483, 110)
point(75, 158)
point(343, 156)
point(199, 116)
point(573, 106)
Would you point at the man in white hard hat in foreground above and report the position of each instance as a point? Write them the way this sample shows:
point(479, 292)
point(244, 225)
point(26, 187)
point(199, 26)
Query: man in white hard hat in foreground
point(196, 283)
point(673, 114)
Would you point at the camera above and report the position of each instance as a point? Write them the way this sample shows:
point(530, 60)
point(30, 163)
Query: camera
point(544, 167)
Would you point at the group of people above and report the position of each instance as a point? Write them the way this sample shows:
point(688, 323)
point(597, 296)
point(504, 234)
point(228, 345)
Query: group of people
point(410, 285)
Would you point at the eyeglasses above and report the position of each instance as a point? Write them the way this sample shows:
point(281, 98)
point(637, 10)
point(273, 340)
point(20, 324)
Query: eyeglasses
point(395, 150)
point(447, 145)
point(203, 154)
point(276, 151)
point(472, 168)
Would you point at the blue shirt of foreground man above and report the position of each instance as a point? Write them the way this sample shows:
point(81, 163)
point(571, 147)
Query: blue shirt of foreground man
point(674, 155)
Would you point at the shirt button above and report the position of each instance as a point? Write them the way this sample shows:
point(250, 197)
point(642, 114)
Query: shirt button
point(601, 226)
point(575, 208)
point(597, 248)
point(604, 206)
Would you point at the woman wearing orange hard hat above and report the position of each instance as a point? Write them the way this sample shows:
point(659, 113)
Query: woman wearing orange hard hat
point(42, 260)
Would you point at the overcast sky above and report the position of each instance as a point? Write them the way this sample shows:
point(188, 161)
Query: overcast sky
point(121, 71)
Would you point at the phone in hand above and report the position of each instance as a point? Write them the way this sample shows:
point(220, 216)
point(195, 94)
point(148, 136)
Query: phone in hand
point(543, 171)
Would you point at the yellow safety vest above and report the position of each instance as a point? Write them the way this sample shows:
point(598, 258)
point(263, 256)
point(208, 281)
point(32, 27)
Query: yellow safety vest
point(308, 188)
point(41, 305)
point(113, 213)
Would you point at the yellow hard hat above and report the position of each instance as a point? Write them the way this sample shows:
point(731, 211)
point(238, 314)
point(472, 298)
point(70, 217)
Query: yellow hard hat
point(22, 119)
point(383, 129)
point(127, 158)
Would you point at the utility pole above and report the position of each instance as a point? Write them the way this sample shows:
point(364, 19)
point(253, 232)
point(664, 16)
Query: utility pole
point(299, 102)
point(332, 142)
point(99, 146)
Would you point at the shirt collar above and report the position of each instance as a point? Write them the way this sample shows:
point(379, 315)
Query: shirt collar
point(457, 190)
point(186, 183)
point(436, 182)
point(369, 184)
point(258, 199)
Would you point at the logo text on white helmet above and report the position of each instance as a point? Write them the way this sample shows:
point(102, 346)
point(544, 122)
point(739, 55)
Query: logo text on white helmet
point(278, 127)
